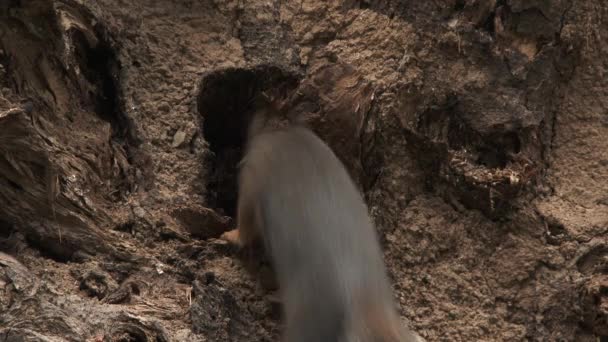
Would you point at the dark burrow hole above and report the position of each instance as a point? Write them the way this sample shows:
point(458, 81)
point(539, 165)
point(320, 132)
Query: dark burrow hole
point(459, 5)
point(445, 123)
point(4, 63)
point(101, 68)
point(12, 241)
point(495, 151)
point(6, 230)
point(14, 185)
point(60, 251)
point(135, 289)
point(488, 24)
point(225, 103)
point(500, 152)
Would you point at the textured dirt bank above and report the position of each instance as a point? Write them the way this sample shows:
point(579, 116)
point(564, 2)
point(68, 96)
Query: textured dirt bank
point(475, 128)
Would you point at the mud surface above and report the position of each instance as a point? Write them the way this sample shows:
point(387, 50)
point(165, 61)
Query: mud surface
point(476, 129)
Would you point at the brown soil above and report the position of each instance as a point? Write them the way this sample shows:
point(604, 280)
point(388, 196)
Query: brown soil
point(476, 128)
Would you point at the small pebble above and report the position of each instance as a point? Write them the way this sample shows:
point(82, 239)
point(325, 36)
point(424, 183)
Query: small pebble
point(178, 139)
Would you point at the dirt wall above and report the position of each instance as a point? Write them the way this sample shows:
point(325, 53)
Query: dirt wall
point(475, 128)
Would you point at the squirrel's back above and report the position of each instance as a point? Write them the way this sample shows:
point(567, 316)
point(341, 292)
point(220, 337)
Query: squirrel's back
point(317, 230)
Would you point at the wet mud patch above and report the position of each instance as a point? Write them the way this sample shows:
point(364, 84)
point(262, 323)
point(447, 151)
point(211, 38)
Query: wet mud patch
point(226, 105)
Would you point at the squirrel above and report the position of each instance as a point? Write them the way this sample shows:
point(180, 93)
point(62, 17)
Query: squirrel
point(297, 198)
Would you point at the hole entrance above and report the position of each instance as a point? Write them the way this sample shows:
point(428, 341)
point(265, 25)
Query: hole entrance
point(446, 123)
point(364, 4)
point(498, 155)
point(100, 87)
point(101, 68)
point(53, 249)
point(5, 229)
point(459, 5)
point(488, 24)
point(226, 108)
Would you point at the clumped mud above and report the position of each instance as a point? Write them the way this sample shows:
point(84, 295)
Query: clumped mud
point(476, 130)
